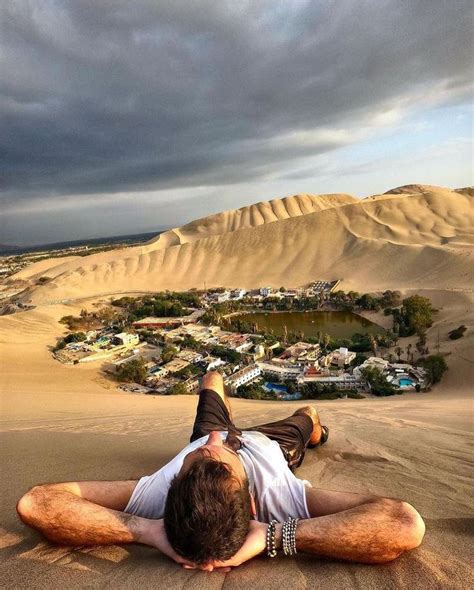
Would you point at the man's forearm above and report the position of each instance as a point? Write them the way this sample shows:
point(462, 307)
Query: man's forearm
point(375, 532)
point(70, 520)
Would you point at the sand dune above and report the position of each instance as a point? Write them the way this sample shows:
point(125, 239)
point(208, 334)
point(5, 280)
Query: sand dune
point(58, 423)
point(251, 216)
point(67, 422)
point(425, 236)
point(45, 267)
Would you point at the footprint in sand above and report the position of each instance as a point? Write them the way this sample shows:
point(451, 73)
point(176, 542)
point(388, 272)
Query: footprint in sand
point(8, 539)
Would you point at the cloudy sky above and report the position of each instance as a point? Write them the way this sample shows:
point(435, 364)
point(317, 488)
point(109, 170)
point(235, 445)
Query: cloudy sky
point(121, 116)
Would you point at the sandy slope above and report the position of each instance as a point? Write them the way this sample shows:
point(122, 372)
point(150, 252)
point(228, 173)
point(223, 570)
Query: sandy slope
point(420, 240)
point(63, 422)
point(45, 267)
point(59, 423)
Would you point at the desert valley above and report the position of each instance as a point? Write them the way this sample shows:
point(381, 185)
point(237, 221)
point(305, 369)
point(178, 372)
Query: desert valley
point(69, 421)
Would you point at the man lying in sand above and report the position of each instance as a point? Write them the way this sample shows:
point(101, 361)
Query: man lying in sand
point(228, 496)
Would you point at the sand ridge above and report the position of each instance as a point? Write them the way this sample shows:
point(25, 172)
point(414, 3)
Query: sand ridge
point(425, 236)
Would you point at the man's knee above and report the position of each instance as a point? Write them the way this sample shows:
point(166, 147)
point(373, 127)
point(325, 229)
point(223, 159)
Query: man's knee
point(309, 411)
point(213, 380)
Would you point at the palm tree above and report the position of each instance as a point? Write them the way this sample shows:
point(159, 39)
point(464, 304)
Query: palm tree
point(373, 344)
point(327, 340)
point(398, 350)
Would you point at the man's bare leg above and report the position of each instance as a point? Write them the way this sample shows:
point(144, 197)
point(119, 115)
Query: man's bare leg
point(313, 414)
point(213, 380)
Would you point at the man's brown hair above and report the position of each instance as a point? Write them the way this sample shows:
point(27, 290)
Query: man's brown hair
point(207, 512)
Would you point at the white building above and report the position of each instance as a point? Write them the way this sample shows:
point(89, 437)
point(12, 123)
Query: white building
point(244, 376)
point(341, 357)
point(175, 365)
point(258, 352)
point(192, 385)
point(301, 352)
point(238, 293)
point(373, 361)
point(160, 373)
point(265, 291)
point(127, 339)
point(282, 372)
point(343, 382)
point(213, 362)
point(190, 355)
point(221, 297)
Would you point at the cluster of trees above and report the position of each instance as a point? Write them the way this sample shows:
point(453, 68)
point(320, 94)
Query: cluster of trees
point(132, 372)
point(231, 356)
point(89, 320)
point(191, 370)
point(293, 303)
point(139, 308)
point(366, 301)
point(415, 316)
point(378, 383)
point(190, 342)
point(164, 304)
point(435, 365)
point(358, 342)
point(254, 391)
point(73, 337)
point(330, 391)
point(178, 389)
point(168, 353)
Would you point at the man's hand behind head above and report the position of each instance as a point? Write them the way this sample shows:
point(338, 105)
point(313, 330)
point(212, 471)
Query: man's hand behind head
point(254, 545)
point(207, 512)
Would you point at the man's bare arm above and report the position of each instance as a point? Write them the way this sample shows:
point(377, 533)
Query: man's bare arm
point(110, 494)
point(88, 513)
point(323, 502)
point(63, 513)
point(376, 531)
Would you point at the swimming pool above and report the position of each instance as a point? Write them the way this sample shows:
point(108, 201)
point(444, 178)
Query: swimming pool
point(276, 387)
point(404, 382)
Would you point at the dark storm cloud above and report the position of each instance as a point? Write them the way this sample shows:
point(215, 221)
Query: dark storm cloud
point(98, 97)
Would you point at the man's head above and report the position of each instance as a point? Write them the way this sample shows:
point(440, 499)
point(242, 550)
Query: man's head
point(208, 507)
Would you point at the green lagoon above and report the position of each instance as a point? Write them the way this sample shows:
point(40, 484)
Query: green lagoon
point(338, 324)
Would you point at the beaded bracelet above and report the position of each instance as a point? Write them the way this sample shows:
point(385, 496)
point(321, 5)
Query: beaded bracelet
point(271, 543)
point(289, 536)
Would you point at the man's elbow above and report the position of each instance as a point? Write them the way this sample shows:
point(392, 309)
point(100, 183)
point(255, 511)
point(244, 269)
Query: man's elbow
point(413, 526)
point(408, 531)
point(27, 506)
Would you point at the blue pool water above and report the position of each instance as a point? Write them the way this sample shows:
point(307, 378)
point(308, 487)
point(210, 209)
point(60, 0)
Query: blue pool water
point(405, 382)
point(276, 387)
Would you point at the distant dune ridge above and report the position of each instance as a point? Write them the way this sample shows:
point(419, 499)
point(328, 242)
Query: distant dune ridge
point(412, 236)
